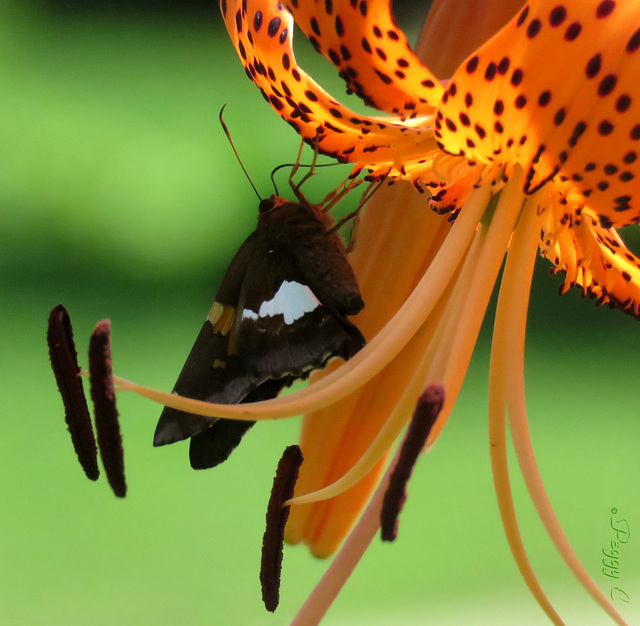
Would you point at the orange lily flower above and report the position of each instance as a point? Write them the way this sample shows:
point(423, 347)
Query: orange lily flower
point(531, 145)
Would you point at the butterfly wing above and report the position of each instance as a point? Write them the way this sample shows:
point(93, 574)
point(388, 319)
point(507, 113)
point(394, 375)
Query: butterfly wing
point(282, 332)
point(212, 370)
point(214, 445)
point(282, 327)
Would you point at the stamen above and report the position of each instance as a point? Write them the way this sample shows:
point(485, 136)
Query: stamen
point(277, 515)
point(496, 242)
point(64, 362)
point(424, 417)
point(515, 314)
point(515, 274)
point(104, 406)
point(508, 348)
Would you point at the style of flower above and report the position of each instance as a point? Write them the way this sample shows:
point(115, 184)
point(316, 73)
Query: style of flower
point(531, 145)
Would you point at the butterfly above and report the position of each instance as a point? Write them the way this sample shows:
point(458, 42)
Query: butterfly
point(281, 312)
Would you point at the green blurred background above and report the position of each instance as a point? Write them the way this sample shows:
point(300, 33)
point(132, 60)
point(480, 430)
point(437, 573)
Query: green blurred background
point(120, 198)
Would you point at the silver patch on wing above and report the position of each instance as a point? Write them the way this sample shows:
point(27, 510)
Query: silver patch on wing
point(292, 300)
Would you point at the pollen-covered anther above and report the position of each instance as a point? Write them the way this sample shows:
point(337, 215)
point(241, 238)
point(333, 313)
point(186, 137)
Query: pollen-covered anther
point(104, 405)
point(277, 515)
point(64, 362)
point(426, 412)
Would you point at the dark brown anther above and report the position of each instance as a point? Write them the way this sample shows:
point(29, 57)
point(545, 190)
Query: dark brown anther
point(64, 361)
point(277, 515)
point(103, 396)
point(427, 410)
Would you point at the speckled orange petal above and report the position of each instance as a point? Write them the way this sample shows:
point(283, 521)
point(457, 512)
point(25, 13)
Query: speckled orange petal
point(556, 90)
point(262, 32)
point(361, 39)
point(596, 260)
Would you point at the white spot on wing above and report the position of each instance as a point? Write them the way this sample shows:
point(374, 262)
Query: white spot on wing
point(292, 300)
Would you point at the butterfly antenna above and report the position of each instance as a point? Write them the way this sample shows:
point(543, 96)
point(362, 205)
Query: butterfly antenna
point(228, 134)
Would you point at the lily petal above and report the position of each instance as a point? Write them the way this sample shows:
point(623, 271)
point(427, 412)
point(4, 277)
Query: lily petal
point(373, 55)
point(263, 37)
point(576, 122)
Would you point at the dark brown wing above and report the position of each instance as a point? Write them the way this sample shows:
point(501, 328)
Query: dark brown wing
point(211, 372)
point(282, 328)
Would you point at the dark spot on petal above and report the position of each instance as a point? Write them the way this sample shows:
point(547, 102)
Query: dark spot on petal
point(503, 66)
point(534, 28)
point(572, 32)
point(490, 72)
point(634, 43)
point(274, 27)
point(557, 15)
point(387, 80)
point(558, 118)
point(593, 66)
point(544, 98)
point(605, 8)
point(623, 103)
point(607, 84)
point(523, 16)
point(472, 64)
point(257, 21)
point(605, 127)
point(516, 77)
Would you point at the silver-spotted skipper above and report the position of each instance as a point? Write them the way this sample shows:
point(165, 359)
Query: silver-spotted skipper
point(281, 312)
